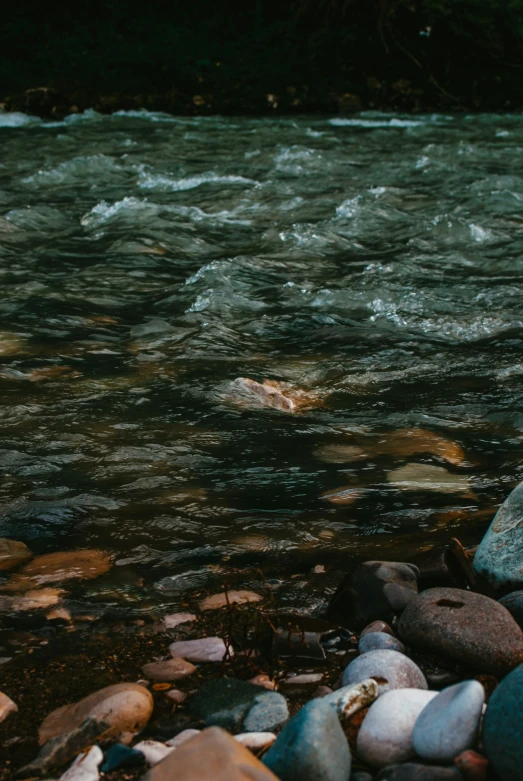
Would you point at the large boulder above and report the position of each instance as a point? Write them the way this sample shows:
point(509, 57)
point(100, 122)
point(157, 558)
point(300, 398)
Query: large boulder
point(499, 558)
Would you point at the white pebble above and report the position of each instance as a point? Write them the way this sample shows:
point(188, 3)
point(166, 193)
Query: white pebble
point(85, 767)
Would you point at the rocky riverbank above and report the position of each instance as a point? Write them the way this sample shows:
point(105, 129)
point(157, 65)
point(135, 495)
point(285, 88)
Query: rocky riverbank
point(416, 673)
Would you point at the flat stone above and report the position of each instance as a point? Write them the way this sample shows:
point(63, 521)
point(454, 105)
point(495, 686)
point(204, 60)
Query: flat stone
point(85, 767)
point(303, 679)
point(217, 601)
point(499, 557)
point(7, 706)
point(411, 771)
point(256, 740)
point(473, 765)
point(12, 553)
point(124, 707)
point(374, 590)
point(212, 755)
point(175, 619)
point(311, 747)
point(120, 756)
point(239, 706)
point(59, 567)
point(425, 477)
point(60, 750)
point(379, 640)
point(206, 649)
point(390, 670)
point(153, 750)
point(467, 626)
point(449, 724)
point(385, 736)
point(170, 670)
point(502, 734)
point(513, 602)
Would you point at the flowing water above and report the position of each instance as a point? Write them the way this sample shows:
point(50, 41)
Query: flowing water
point(373, 264)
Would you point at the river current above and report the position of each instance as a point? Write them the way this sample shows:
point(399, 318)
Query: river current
point(372, 264)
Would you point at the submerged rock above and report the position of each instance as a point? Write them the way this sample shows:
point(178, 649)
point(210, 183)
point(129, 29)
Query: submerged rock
point(397, 444)
point(12, 553)
point(425, 477)
point(123, 707)
point(229, 598)
point(499, 557)
point(212, 755)
point(59, 567)
point(312, 747)
point(469, 627)
point(264, 394)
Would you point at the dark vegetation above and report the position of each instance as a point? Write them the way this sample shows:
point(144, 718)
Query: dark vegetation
point(262, 56)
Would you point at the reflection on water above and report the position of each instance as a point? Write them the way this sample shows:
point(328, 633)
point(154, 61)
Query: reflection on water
point(369, 267)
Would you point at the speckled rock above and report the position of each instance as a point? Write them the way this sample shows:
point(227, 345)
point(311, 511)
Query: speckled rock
point(376, 640)
point(206, 649)
point(499, 557)
point(124, 707)
point(170, 670)
point(385, 737)
point(312, 747)
point(467, 626)
point(449, 724)
point(212, 755)
point(390, 670)
point(412, 771)
point(503, 727)
point(239, 706)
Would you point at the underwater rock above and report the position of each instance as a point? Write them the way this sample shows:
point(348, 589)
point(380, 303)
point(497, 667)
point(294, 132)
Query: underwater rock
point(217, 601)
point(59, 567)
point(12, 553)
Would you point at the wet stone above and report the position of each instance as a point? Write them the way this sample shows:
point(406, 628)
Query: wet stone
point(12, 553)
point(170, 670)
point(239, 706)
point(466, 626)
point(390, 670)
point(499, 557)
point(380, 640)
point(311, 747)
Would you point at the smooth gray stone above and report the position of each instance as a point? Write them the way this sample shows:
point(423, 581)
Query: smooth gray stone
point(499, 557)
point(311, 747)
point(503, 727)
point(412, 771)
point(390, 670)
point(239, 706)
point(449, 724)
point(377, 640)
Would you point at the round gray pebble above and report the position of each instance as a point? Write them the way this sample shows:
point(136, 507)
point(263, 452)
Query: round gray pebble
point(379, 640)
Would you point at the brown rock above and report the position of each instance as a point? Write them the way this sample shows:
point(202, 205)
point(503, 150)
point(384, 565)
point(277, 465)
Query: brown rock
point(472, 765)
point(58, 567)
point(229, 597)
point(466, 626)
point(170, 670)
point(7, 706)
point(12, 553)
point(124, 707)
point(212, 755)
point(377, 626)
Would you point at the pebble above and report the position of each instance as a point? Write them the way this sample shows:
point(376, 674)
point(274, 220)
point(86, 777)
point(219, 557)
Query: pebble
point(350, 699)
point(153, 750)
point(390, 670)
point(263, 680)
point(502, 727)
point(311, 747)
point(7, 706)
point(176, 696)
point(12, 553)
point(37, 599)
point(171, 670)
point(212, 755)
point(206, 649)
point(85, 767)
point(467, 626)
point(412, 771)
point(121, 756)
point(472, 765)
point(425, 477)
point(183, 737)
point(239, 706)
point(123, 707)
point(304, 678)
point(59, 567)
point(377, 640)
point(499, 557)
point(449, 724)
point(175, 619)
point(385, 736)
point(229, 598)
point(264, 394)
point(376, 626)
point(513, 602)
point(256, 740)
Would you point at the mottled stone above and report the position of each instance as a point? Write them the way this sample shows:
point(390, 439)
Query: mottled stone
point(390, 670)
point(411, 771)
point(350, 699)
point(212, 755)
point(239, 706)
point(503, 727)
point(385, 737)
point(229, 598)
point(169, 670)
point(124, 707)
point(312, 747)
point(466, 626)
point(12, 553)
point(7, 706)
point(206, 649)
point(499, 557)
point(379, 640)
point(449, 724)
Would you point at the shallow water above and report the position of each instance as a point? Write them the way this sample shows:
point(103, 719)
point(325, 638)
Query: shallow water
point(374, 263)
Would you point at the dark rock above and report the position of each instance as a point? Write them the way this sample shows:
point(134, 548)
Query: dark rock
point(473, 766)
point(499, 558)
point(513, 602)
point(62, 749)
point(361, 775)
point(239, 706)
point(168, 726)
point(375, 590)
point(503, 727)
point(121, 756)
point(301, 638)
point(411, 771)
point(466, 626)
point(376, 626)
point(312, 747)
